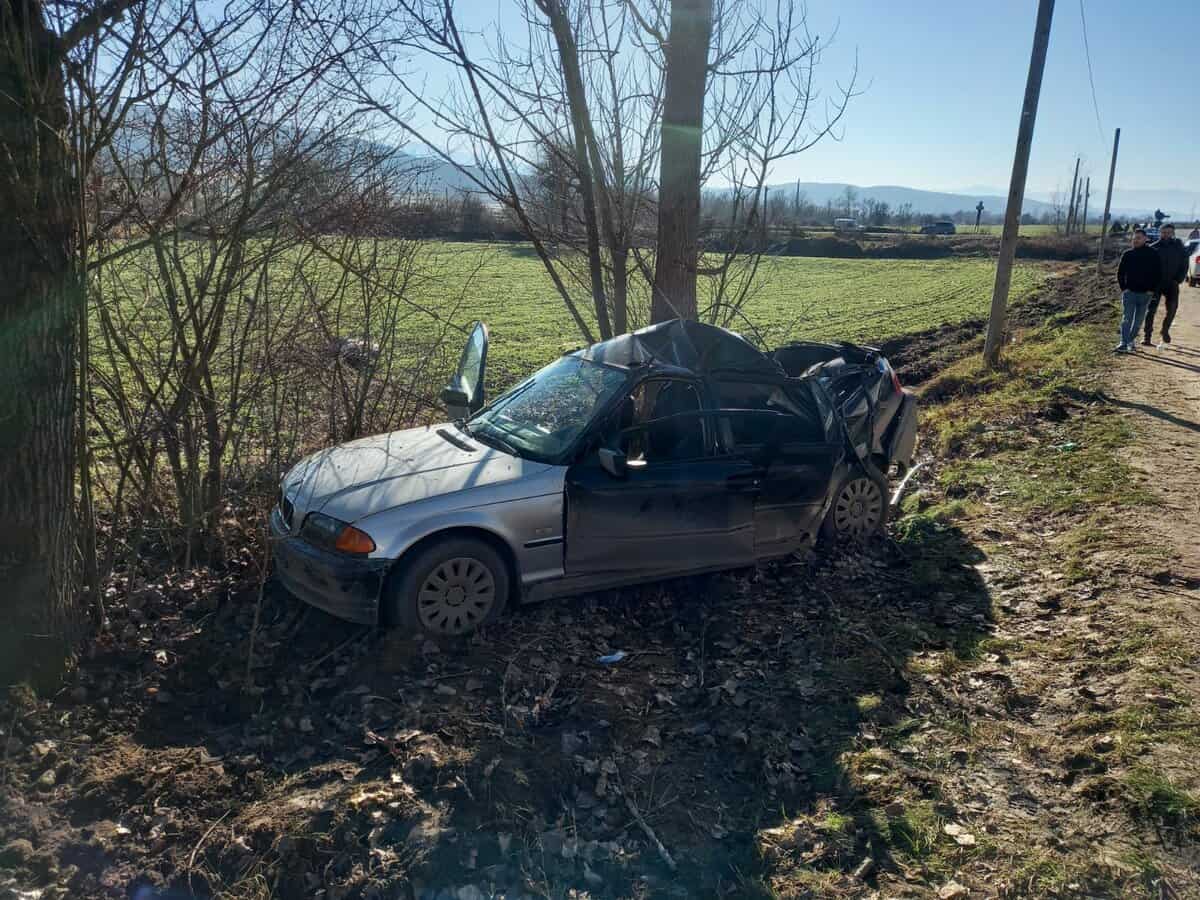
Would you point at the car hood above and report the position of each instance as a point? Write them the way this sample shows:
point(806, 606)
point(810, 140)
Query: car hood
point(355, 480)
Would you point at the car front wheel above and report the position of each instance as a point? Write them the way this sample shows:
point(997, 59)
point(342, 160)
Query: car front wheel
point(449, 588)
point(859, 508)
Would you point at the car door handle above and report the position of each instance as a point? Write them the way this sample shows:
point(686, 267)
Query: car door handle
point(746, 482)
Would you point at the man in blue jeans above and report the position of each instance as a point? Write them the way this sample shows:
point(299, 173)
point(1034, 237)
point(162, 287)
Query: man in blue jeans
point(1138, 275)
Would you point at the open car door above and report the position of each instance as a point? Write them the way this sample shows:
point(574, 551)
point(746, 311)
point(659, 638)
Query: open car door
point(464, 395)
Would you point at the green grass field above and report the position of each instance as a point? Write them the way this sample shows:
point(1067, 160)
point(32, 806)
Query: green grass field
point(304, 301)
point(1026, 230)
point(795, 297)
point(276, 391)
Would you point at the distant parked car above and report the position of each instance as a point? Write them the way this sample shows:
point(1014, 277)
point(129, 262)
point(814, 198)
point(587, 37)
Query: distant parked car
point(938, 228)
point(846, 225)
point(1193, 252)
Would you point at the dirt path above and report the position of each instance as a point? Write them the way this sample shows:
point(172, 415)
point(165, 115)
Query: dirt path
point(1090, 768)
point(1160, 389)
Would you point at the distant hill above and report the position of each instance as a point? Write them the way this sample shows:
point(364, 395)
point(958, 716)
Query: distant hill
point(923, 202)
point(1140, 203)
point(439, 177)
point(1182, 205)
point(1178, 204)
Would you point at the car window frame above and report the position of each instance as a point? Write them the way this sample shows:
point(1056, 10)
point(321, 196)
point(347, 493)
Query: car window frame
point(820, 414)
point(584, 439)
point(702, 413)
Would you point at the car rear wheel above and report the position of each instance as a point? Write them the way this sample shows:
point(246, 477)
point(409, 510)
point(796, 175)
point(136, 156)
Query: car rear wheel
point(859, 509)
point(449, 588)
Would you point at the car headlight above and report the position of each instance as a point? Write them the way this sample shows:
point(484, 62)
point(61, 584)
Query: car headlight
point(326, 531)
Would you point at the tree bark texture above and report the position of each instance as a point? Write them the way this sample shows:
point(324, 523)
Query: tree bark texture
point(568, 53)
point(39, 309)
point(674, 290)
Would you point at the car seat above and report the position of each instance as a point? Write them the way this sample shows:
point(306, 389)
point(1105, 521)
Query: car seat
point(675, 438)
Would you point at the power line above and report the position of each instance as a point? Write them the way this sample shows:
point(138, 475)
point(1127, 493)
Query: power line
point(1091, 78)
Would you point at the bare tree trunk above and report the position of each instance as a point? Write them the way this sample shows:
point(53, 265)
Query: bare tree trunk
point(679, 178)
point(568, 55)
point(39, 309)
point(620, 290)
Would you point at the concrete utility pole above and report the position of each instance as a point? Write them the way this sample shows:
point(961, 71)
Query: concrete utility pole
point(1074, 198)
point(1112, 171)
point(1016, 187)
point(1087, 193)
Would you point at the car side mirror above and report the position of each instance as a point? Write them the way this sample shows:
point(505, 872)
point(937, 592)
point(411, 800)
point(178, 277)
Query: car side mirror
point(457, 403)
point(613, 462)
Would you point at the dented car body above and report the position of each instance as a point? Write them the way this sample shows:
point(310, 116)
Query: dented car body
point(676, 450)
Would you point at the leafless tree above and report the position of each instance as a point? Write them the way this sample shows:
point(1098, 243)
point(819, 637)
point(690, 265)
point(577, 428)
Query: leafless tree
point(849, 200)
point(167, 148)
point(584, 85)
point(262, 254)
point(42, 48)
point(764, 108)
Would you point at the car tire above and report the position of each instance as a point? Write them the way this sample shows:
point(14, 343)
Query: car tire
point(449, 588)
point(859, 509)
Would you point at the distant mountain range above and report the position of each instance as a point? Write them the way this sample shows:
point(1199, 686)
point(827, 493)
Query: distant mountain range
point(923, 202)
point(1177, 203)
point(435, 176)
point(1180, 204)
point(439, 177)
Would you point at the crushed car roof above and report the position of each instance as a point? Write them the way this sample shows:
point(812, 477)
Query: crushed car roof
point(684, 344)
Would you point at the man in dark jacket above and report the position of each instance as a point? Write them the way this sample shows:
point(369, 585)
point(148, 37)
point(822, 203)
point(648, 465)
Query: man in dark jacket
point(1139, 276)
point(1172, 256)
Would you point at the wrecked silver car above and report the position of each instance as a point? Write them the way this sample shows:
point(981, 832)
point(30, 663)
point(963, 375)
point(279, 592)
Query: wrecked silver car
point(676, 450)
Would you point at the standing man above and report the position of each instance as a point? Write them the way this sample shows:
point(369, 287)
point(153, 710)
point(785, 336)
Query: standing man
point(1139, 276)
point(1172, 258)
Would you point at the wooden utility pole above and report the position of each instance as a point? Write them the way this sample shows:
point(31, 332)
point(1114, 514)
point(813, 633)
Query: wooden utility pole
point(1074, 198)
point(1087, 193)
point(1016, 187)
point(1112, 171)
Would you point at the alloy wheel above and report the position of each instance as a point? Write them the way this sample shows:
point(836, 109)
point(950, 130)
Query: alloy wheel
point(456, 596)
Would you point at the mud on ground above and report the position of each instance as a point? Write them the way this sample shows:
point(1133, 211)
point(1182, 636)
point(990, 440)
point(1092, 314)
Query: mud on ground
point(1070, 296)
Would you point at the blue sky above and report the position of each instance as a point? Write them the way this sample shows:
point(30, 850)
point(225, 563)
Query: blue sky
point(942, 86)
point(945, 83)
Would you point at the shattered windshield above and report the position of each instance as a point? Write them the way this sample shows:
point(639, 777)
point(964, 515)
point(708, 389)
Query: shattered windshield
point(542, 417)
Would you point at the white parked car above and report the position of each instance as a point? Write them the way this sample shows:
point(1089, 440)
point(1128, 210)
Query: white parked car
point(1193, 252)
